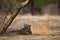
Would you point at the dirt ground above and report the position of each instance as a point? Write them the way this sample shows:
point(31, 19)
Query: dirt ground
point(29, 37)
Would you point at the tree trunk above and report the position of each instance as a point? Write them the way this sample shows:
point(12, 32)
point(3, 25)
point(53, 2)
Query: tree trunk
point(7, 24)
point(32, 7)
point(58, 8)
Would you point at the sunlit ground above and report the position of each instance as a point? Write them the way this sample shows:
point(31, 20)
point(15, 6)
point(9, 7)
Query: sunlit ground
point(29, 37)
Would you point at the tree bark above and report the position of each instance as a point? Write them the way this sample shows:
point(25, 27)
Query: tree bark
point(32, 7)
point(58, 8)
point(7, 24)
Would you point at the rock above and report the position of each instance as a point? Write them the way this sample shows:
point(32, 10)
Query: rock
point(23, 28)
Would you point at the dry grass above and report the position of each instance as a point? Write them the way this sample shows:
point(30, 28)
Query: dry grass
point(40, 24)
